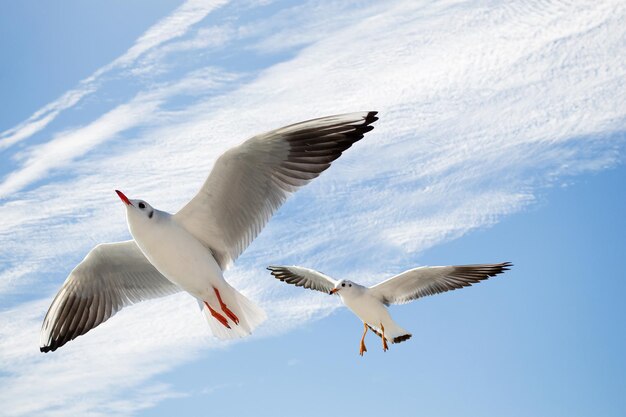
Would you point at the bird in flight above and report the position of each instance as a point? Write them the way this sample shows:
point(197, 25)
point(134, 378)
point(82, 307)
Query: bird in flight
point(188, 251)
point(370, 303)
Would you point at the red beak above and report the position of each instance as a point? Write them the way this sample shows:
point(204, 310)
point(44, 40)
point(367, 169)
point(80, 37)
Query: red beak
point(124, 198)
point(334, 290)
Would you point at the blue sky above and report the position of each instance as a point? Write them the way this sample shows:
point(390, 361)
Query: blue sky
point(501, 138)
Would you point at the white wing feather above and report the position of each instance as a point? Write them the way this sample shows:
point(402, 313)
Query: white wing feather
point(111, 277)
point(424, 281)
point(251, 181)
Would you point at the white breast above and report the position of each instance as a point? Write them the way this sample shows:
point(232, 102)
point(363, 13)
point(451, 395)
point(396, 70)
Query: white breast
point(366, 307)
point(177, 254)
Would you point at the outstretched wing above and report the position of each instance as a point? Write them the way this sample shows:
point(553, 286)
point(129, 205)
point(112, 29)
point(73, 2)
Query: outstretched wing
point(251, 181)
point(429, 280)
point(303, 277)
point(112, 276)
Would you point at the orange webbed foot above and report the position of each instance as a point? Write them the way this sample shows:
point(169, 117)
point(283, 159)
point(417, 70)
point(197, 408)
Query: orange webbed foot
point(218, 316)
point(385, 346)
point(225, 308)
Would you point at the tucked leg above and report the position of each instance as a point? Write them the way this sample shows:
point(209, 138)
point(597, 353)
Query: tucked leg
point(224, 308)
point(385, 347)
point(363, 349)
point(217, 316)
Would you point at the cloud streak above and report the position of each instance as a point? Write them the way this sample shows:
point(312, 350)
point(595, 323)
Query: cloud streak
point(143, 109)
point(480, 109)
point(171, 27)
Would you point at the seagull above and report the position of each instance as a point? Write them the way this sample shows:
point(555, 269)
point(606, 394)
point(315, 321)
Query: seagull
point(189, 251)
point(370, 303)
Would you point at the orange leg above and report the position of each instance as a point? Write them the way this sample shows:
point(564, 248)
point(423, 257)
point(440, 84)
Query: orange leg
point(363, 349)
point(385, 347)
point(225, 309)
point(217, 315)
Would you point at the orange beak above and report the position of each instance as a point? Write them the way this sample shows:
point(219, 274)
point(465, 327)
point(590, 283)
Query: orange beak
point(124, 198)
point(334, 290)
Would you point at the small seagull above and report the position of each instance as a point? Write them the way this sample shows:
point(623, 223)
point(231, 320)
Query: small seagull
point(370, 303)
point(190, 250)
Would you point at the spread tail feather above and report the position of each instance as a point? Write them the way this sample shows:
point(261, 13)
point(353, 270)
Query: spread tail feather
point(393, 333)
point(248, 313)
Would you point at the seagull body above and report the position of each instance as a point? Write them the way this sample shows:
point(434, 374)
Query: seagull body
point(187, 263)
point(370, 303)
point(372, 312)
point(189, 250)
point(173, 251)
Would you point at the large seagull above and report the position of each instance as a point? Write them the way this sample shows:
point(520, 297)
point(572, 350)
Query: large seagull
point(188, 251)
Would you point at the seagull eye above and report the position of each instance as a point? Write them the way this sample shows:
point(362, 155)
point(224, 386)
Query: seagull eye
point(142, 206)
point(343, 285)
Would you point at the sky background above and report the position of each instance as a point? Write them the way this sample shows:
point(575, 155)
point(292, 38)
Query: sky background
point(501, 138)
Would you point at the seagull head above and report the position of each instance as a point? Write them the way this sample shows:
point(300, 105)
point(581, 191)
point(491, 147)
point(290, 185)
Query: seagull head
point(344, 286)
point(136, 210)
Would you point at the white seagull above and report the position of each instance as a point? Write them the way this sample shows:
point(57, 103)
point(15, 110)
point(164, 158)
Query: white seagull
point(370, 303)
point(190, 250)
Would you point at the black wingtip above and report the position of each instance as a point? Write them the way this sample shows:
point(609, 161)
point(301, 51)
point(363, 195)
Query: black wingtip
point(371, 117)
point(505, 266)
point(46, 349)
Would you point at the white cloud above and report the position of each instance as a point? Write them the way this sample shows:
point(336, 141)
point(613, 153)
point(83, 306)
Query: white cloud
point(69, 145)
point(480, 108)
point(202, 42)
point(40, 119)
point(171, 27)
point(69, 375)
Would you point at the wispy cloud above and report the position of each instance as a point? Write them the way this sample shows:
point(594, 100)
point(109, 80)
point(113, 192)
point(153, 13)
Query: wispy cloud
point(40, 119)
point(480, 108)
point(171, 27)
point(141, 110)
point(66, 373)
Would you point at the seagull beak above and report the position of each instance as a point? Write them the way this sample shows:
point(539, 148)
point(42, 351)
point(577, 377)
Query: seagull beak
point(334, 290)
point(124, 198)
